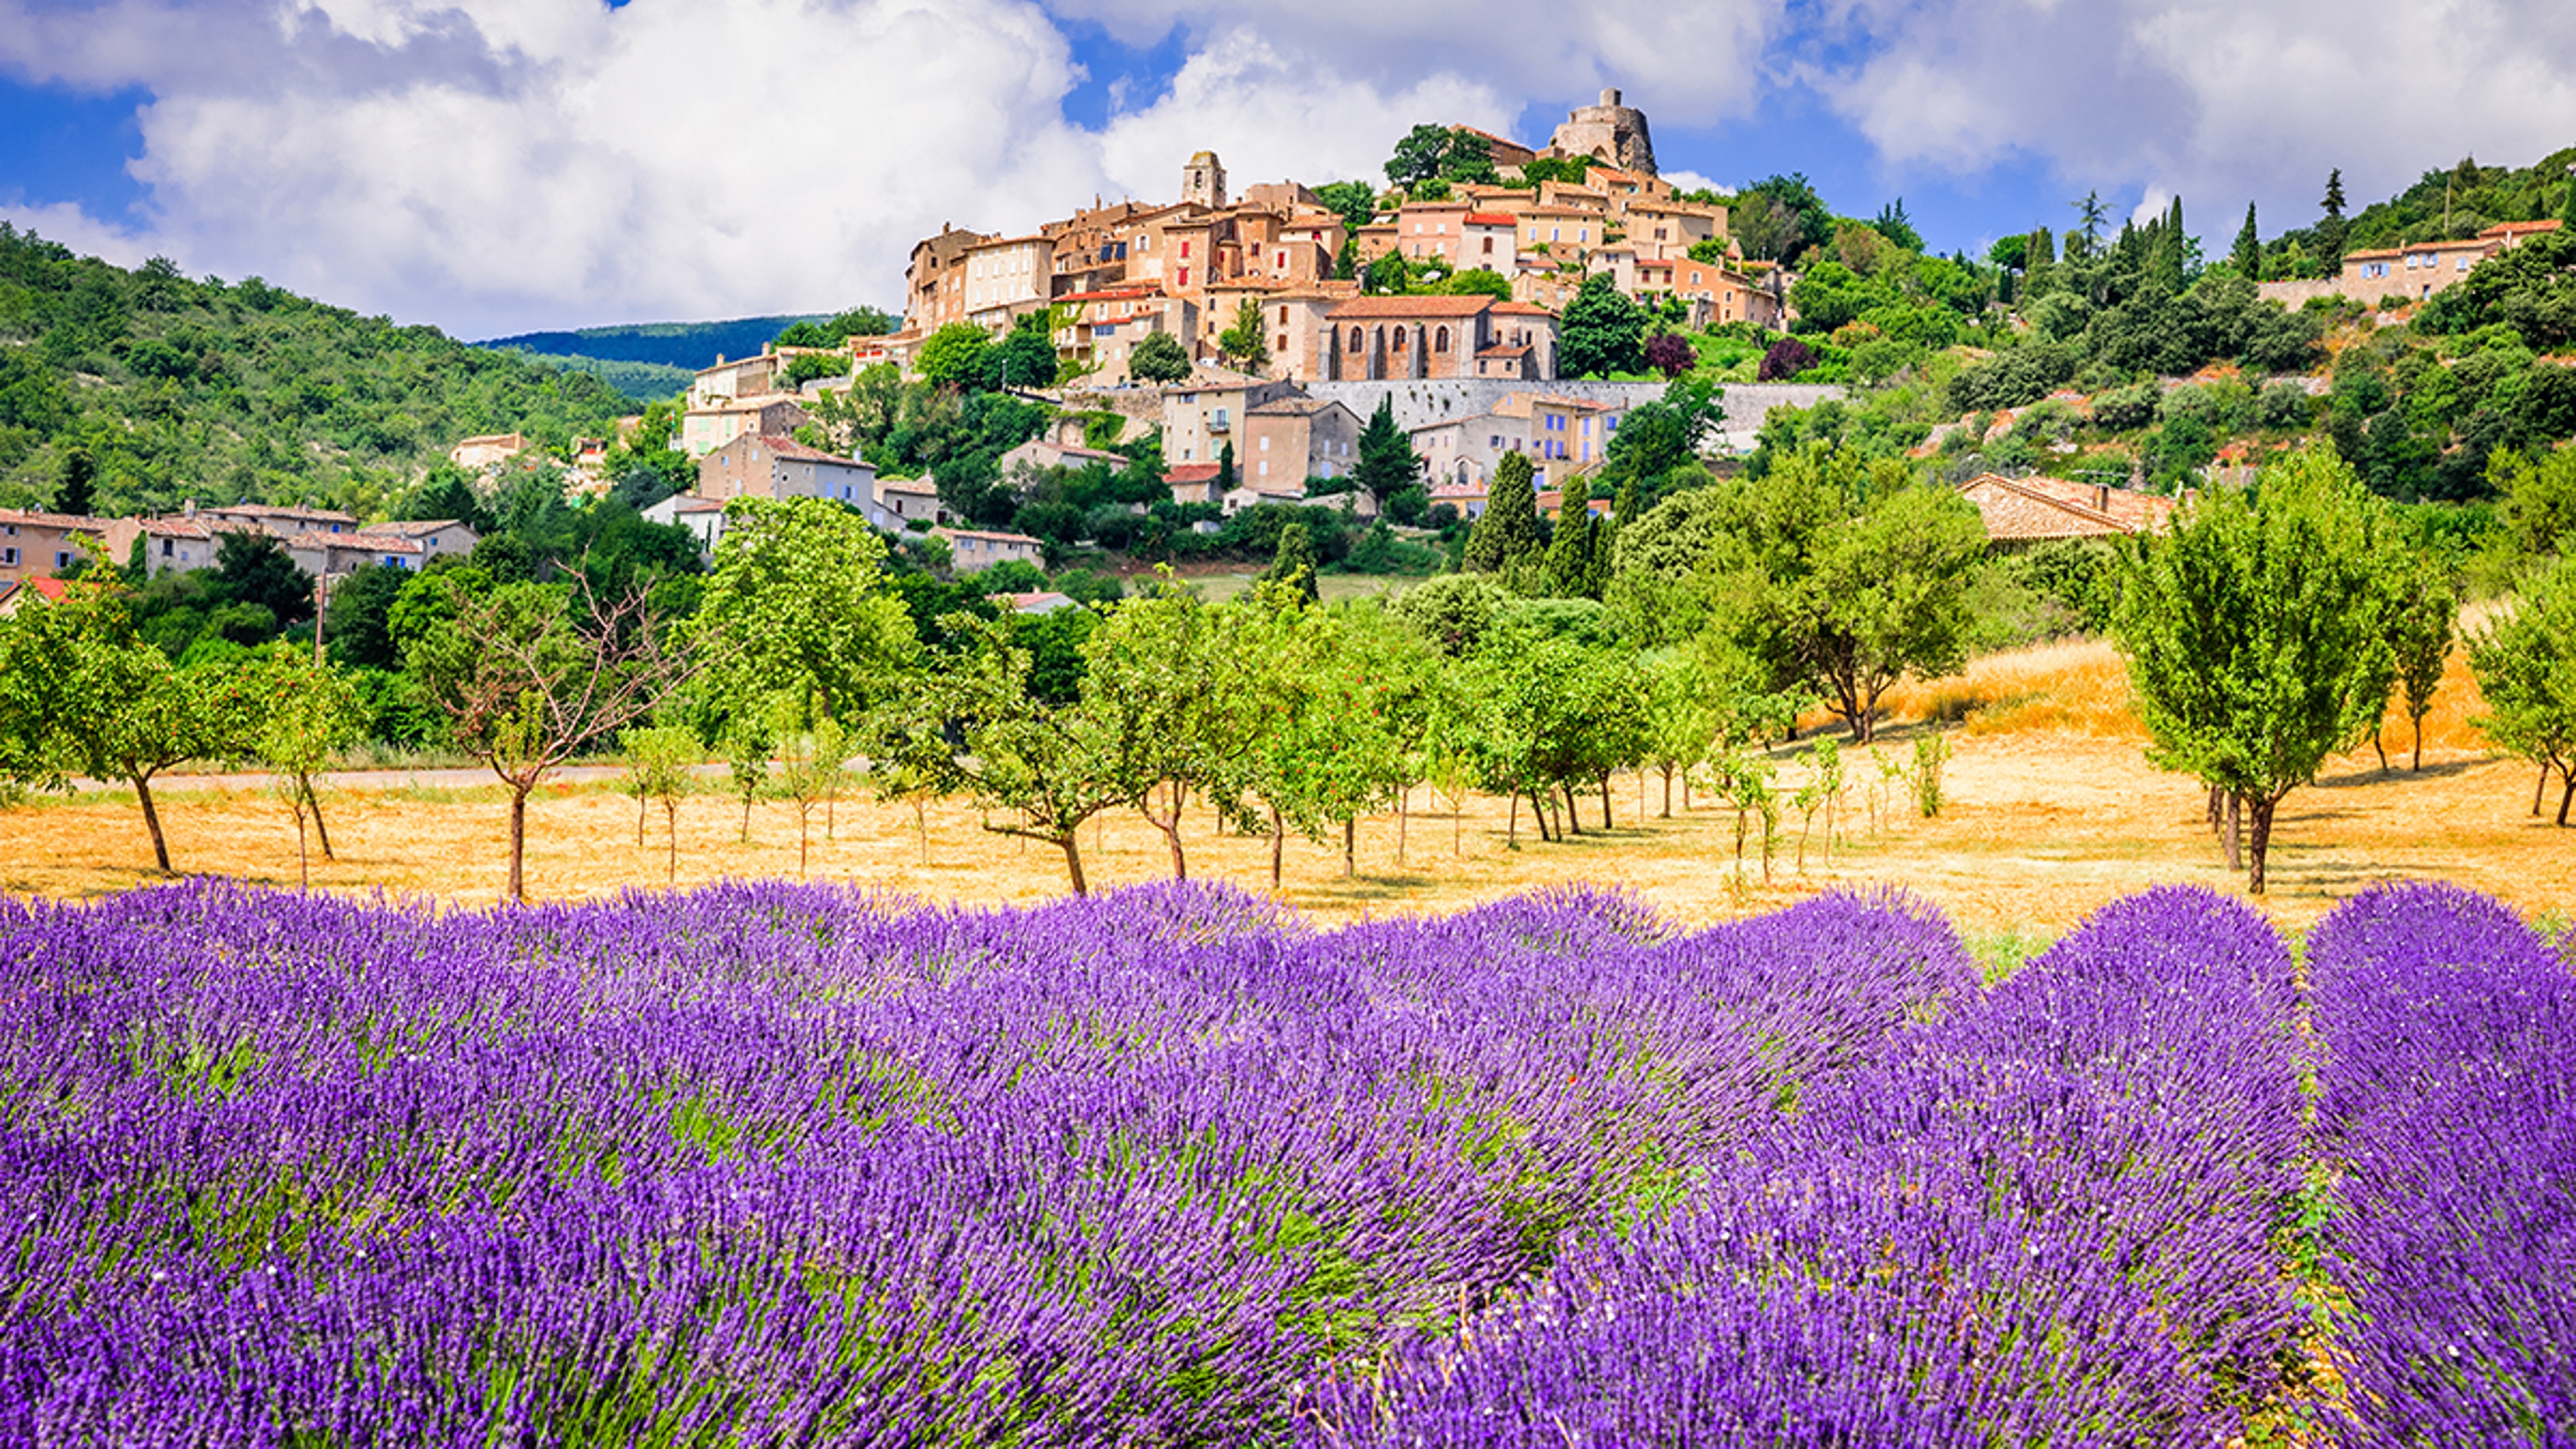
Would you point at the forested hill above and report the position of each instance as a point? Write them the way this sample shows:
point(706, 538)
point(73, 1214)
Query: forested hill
point(689, 345)
point(175, 389)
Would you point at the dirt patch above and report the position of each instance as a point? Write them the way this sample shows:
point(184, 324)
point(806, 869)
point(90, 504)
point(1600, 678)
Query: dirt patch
point(2044, 824)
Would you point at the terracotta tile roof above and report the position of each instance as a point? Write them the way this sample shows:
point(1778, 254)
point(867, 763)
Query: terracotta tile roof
point(790, 448)
point(1192, 473)
point(918, 486)
point(1492, 218)
point(1521, 309)
point(1292, 407)
point(37, 518)
point(2523, 228)
point(411, 528)
point(1365, 307)
point(1111, 294)
point(2030, 509)
point(986, 534)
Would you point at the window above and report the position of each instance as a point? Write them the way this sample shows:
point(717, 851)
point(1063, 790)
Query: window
point(1185, 273)
point(1399, 339)
point(9, 556)
point(168, 548)
point(1358, 340)
point(1441, 340)
point(1265, 443)
point(1185, 249)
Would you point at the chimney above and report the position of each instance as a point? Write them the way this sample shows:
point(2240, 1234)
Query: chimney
point(2102, 497)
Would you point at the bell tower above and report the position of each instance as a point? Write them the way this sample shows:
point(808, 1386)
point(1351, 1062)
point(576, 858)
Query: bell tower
point(1203, 182)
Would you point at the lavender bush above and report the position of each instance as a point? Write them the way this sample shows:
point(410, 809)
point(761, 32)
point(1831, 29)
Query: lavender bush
point(2449, 1032)
point(2046, 1219)
point(771, 1164)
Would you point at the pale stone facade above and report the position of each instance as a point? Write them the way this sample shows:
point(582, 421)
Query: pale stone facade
point(773, 466)
point(36, 545)
point(703, 430)
point(1611, 131)
point(1293, 439)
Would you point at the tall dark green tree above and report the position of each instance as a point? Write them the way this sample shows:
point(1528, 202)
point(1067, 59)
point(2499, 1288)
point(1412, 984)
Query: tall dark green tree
point(1569, 553)
point(1387, 463)
point(77, 494)
point(1226, 478)
point(1602, 332)
point(2332, 230)
point(2249, 247)
point(1508, 530)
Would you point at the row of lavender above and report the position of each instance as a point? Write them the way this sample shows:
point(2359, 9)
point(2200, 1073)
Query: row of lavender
point(2449, 1031)
point(2047, 1219)
point(770, 1164)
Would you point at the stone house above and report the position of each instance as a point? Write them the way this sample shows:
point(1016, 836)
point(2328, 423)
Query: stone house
point(704, 518)
point(437, 537)
point(1008, 278)
point(771, 466)
point(907, 501)
point(1252, 497)
point(934, 282)
point(1563, 437)
point(278, 521)
point(333, 555)
point(973, 550)
point(1194, 483)
point(1292, 439)
point(489, 451)
point(1050, 453)
point(36, 545)
point(1204, 414)
point(776, 415)
point(169, 544)
point(1102, 329)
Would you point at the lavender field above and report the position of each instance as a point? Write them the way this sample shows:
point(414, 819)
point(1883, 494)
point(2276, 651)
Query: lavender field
point(771, 1165)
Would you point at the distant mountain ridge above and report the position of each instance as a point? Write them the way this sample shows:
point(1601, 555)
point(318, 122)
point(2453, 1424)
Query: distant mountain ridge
point(686, 345)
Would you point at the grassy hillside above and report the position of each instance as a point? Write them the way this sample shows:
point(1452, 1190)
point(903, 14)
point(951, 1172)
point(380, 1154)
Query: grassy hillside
point(685, 345)
point(177, 389)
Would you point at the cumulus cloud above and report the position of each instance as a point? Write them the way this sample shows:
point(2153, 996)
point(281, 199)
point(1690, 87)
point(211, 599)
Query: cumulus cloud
point(492, 165)
point(2218, 100)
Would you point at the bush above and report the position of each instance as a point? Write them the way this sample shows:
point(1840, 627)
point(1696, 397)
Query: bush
point(2013, 378)
point(2126, 409)
point(1787, 358)
point(2283, 407)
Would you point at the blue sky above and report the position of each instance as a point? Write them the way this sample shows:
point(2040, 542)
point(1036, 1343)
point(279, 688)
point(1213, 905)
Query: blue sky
point(498, 165)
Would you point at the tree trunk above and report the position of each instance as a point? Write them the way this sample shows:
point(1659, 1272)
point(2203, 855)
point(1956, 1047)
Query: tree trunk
point(1278, 847)
point(1605, 802)
point(2261, 846)
point(2218, 816)
point(321, 829)
point(671, 817)
point(161, 847)
point(921, 826)
point(1668, 793)
point(1403, 819)
point(804, 833)
point(303, 861)
point(2381, 746)
point(831, 813)
point(1350, 847)
point(1512, 836)
point(2235, 832)
point(643, 803)
point(1171, 830)
point(2566, 798)
point(1071, 842)
point(518, 844)
point(2419, 744)
point(1573, 822)
point(2538, 792)
point(746, 820)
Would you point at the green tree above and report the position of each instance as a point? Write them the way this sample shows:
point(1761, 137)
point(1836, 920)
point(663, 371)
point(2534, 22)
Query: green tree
point(1292, 569)
point(529, 674)
point(81, 695)
point(1508, 530)
point(1246, 344)
point(798, 605)
point(813, 765)
point(661, 763)
point(1160, 359)
point(1174, 665)
point(2525, 663)
point(2257, 631)
point(1386, 462)
point(1885, 595)
point(1602, 332)
point(2539, 501)
point(1355, 202)
point(1418, 155)
point(1024, 358)
point(956, 356)
point(304, 715)
point(77, 493)
point(2421, 628)
point(2331, 232)
point(2248, 255)
point(1052, 765)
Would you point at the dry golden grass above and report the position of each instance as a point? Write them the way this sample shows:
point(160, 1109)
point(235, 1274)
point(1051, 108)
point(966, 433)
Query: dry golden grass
point(2053, 812)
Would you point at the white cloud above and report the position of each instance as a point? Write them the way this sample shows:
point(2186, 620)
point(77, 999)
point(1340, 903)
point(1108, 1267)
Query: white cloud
point(492, 166)
point(2217, 100)
point(1690, 64)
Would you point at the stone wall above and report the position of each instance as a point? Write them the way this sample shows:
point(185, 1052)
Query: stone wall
point(1421, 404)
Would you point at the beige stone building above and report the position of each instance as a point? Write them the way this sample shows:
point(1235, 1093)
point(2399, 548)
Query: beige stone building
point(276, 520)
point(1611, 131)
point(973, 550)
point(38, 545)
point(1370, 339)
point(934, 283)
point(703, 430)
point(2021, 511)
point(1291, 439)
point(775, 466)
point(1204, 414)
point(1101, 330)
point(487, 452)
point(169, 544)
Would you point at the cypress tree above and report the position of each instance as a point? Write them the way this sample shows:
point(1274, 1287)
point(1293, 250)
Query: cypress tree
point(2567, 209)
point(1569, 553)
point(1508, 531)
point(76, 496)
point(1226, 482)
point(2249, 247)
point(1387, 464)
point(2170, 259)
point(1605, 538)
point(1293, 566)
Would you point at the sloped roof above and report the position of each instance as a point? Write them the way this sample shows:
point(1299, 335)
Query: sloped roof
point(2022, 510)
point(790, 448)
point(1361, 308)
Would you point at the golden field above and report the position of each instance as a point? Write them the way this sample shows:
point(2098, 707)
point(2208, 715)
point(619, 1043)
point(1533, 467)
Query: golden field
point(2052, 811)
